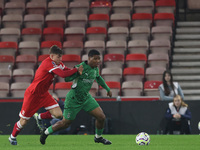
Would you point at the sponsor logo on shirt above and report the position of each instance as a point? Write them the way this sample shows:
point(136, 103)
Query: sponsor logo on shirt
point(54, 64)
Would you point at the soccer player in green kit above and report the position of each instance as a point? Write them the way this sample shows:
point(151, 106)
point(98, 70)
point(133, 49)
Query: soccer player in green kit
point(79, 98)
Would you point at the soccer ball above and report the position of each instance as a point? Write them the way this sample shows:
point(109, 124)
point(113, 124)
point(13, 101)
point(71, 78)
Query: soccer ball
point(142, 139)
point(199, 125)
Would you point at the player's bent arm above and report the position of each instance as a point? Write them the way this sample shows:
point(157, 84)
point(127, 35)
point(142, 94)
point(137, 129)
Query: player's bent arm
point(64, 73)
point(101, 82)
point(71, 78)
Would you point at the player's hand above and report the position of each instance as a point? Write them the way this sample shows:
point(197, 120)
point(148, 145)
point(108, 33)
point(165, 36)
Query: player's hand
point(109, 94)
point(80, 69)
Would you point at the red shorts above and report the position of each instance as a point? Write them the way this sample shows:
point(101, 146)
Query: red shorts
point(32, 103)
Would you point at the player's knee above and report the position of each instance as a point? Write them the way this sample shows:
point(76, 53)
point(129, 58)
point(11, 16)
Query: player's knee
point(101, 118)
point(58, 116)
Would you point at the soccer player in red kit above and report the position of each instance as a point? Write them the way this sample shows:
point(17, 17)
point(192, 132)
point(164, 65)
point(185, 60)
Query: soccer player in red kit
point(37, 96)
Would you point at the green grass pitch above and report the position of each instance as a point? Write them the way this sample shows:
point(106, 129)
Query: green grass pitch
point(86, 142)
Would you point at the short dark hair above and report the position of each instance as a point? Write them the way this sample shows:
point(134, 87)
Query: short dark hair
point(55, 50)
point(93, 52)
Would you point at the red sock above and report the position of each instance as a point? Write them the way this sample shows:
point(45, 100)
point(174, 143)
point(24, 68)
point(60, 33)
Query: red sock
point(17, 129)
point(46, 115)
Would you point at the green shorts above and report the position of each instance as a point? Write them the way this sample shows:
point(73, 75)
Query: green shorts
point(73, 106)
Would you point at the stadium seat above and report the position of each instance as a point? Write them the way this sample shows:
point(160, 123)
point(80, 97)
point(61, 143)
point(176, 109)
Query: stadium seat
point(161, 32)
point(94, 89)
point(55, 20)
point(53, 34)
point(98, 20)
point(143, 6)
point(14, 8)
point(71, 60)
point(116, 47)
point(113, 60)
point(73, 47)
point(62, 88)
point(51, 89)
point(23, 75)
point(151, 88)
point(158, 60)
point(96, 33)
point(77, 20)
point(7, 62)
point(154, 73)
point(98, 45)
point(5, 75)
point(10, 34)
point(165, 6)
point(8, 48)
point(79, 7)
point(138, 46)
point(18, 89)
point(114, 86)
point(133, 74)
point(160, 46)
point(55, 7)
point(12, 21)
point(4, 89)
point(31, 34)
point(26, 61)
point(84, 57)
point(36, 7)
point(132, 88)
point(140, 33)
point(1, 8)
point(142, 19)
point(100, 7)
point(74, 34)
point(34, 21)
point(45, 45)
point(121, 7)
point(136, 60)
point(120, 20)
point(164, 19)
point(112, 74)
point(41, 58)
point(118, 33)
point(29, 48)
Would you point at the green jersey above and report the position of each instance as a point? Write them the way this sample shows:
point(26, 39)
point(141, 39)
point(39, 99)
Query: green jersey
point(83, 83)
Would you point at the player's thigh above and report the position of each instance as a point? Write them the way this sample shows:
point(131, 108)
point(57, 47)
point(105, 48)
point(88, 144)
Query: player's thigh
point(90, 104)
point(71, 108)
point(30, 105)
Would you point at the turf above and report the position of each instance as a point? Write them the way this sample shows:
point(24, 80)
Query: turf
point(85, 142)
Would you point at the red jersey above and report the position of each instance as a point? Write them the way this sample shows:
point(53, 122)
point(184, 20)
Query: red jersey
point(44, 76)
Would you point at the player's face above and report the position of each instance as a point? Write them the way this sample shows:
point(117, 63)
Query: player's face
point(56, 58)
point(167, 77)
point(94, 61)
point(177, 102)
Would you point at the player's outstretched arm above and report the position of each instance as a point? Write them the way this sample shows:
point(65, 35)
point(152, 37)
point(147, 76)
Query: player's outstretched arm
point(64, 73)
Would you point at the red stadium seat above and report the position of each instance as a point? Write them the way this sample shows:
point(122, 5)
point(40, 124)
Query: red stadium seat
point(142, 19)
point(71, 60)
point(41, 58)
point(31, 34)
point(53, 34)
point(98, 20)
point(164, 19)
point(133, 74)
point(151, 88)
point(7, 62)
point(114, 60)
point(100, 7)
point(165, 6)
point(8, 48)
point(62, 88)
point(114, 86)
point(45, 45)
point(136, 60)
point(96, 33)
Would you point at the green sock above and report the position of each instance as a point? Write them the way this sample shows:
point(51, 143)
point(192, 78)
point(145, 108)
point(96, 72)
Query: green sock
point(99, 132)
point(50, 130)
